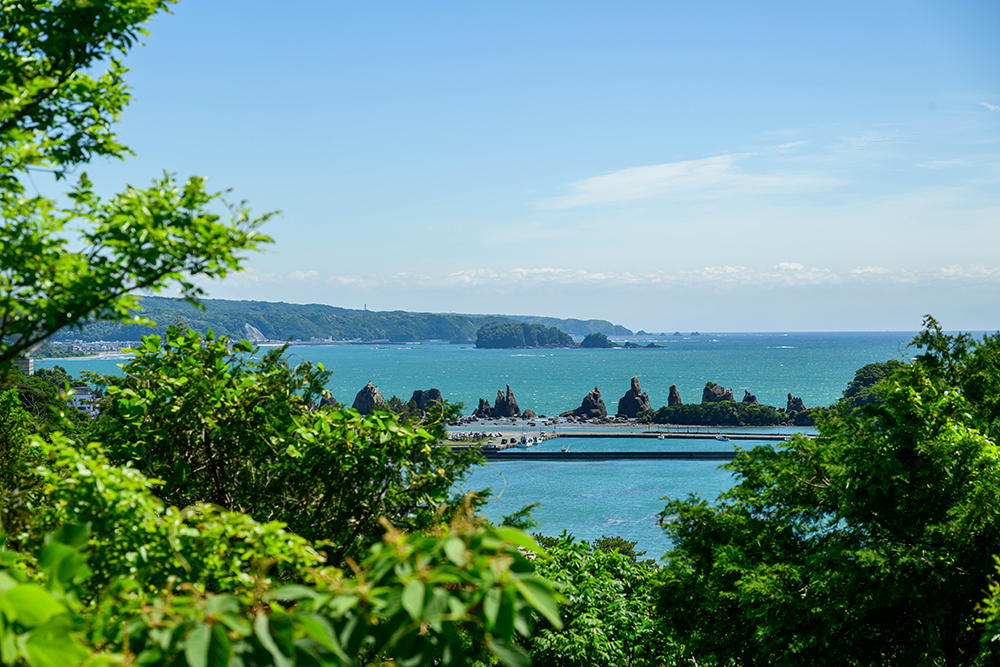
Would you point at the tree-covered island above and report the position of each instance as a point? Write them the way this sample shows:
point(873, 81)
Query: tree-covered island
point(520, 335)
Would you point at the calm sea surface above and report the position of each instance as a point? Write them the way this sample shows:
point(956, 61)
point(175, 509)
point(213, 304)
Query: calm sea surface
point(601, 498)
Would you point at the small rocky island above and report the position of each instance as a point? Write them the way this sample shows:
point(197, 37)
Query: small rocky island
point(519, 335)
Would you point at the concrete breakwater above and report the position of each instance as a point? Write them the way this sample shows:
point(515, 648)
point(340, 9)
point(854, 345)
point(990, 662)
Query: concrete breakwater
point(522, 455)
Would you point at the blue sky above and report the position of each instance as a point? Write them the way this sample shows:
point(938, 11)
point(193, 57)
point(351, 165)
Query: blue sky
point(666, 165)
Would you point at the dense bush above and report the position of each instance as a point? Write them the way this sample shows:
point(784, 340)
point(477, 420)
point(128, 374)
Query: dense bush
point(609, 616)
point(723, 413)
point(874, 543)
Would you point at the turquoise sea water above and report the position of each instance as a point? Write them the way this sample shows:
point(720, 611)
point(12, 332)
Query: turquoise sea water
point(601, 498)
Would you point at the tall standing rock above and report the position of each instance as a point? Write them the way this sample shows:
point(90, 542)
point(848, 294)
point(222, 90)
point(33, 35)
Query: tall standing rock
point(506, 406)
point(749, 398)
point(634, 401)
point(674, 398)
point(367, 399)
point(794, 404)
point(591, 407)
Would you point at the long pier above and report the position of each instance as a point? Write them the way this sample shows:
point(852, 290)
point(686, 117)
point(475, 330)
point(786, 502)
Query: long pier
point(671, 435)
point(521, 455)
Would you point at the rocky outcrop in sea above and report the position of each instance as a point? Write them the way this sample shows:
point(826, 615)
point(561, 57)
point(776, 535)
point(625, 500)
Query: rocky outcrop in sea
point(794, 404)
point(505, 406)
point(484, 411)
point(749, 398)
point(715, 393)
point(367, 399)
point(674, 397)
point(592, 407)
point(425, 399)
point(634, 401)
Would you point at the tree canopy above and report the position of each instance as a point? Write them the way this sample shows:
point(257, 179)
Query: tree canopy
point(873, 543)
point(82, 258)
point(94, 567)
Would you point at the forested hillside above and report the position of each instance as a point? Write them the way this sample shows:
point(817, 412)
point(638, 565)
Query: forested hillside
point(286, 321)
point(290, 321)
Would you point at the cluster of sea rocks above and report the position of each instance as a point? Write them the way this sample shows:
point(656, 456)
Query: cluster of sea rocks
point(592, 408)
point(370, 397)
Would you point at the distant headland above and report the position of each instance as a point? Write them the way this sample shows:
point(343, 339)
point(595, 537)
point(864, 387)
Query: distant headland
point(265, 322)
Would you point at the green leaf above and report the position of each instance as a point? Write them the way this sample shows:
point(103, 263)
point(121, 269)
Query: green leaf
point(319, 630)
point(34, 604)
point(541, 598)
point(509, 654)
point(413, 599)
point(262, 631)
point(196, 645)
point(293, 592)
point(454, 549)
point(518, 538)
point(53, 645)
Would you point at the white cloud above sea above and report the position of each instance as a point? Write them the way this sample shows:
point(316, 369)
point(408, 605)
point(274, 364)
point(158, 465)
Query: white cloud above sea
point(991, 107)
point(781, 275)
point(712, 176)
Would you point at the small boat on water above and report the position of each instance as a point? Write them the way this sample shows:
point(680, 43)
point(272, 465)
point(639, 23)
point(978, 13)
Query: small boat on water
point(661, 437)
point(722, 438)
point(565, 448)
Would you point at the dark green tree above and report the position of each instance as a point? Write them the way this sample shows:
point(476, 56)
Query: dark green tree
point(609, 617)
point(871, 544)
point(220, 424)
point(80, 258)
point(860, 390)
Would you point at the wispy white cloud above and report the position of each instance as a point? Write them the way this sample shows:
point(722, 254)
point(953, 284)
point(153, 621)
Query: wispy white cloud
point(303, 276)
point(866, 140)
point(782, 275)
point(944, 164)
point(786, 148)
point(991, 107)
point(708, 175)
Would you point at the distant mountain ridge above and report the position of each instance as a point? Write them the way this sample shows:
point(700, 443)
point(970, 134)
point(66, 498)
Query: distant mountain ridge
point(288, 321)
point(575, 327)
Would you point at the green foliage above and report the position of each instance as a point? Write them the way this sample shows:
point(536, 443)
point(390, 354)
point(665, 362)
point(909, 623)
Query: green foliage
point(621, 545)
point(413, 598)
point(242, 431)
point(596, 340)
point(57, 375)
point(104, 572)
point(65, 261)
point(609, 617)
point(861, 390)
point(723, 413)
point(283, 321)
point(872, 544)
point(43, 400)
point(519, 334)
point(522, 519)
point(14, 429)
